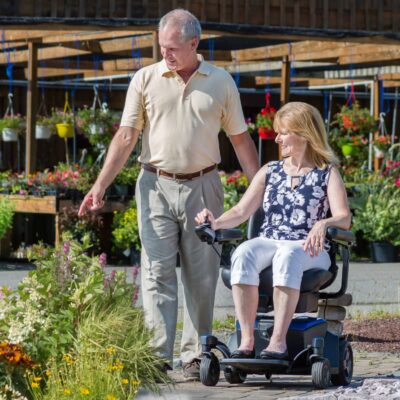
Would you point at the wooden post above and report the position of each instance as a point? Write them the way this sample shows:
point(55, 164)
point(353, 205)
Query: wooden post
point(285, 80)
point(156, 48)
point(31, 109)
point(285, 86)
point(377, 161)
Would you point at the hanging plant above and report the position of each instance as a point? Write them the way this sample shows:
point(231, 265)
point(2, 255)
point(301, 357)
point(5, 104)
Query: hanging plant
point(354, 120)
point(265, 120)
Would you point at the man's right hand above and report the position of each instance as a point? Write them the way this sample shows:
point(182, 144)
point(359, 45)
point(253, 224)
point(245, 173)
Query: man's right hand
point(92, 201)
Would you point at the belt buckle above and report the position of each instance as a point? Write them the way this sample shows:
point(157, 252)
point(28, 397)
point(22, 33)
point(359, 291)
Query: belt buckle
point(176, 178)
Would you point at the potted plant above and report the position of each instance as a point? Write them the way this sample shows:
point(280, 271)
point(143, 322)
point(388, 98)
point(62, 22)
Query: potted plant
point(126, 232)
point(124, 183)
point(10, 127)
point(377, 216)
point(44, 127)
point(64, 123)
point(265, 121)
point(353, 121)
point(7, 209)
point(97, 125)
point(381, 144)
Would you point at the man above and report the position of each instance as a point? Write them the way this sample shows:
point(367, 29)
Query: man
point(180, 103)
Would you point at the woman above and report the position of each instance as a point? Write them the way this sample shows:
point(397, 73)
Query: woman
point(296, 194)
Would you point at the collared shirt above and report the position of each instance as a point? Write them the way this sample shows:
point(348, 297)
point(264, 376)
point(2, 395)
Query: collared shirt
point(181, 122)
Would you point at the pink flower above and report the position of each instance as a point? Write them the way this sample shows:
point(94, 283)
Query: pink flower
point(135, 271)
point(135, 295)
point(103, 260)
point(66, 247)
point(398, 182)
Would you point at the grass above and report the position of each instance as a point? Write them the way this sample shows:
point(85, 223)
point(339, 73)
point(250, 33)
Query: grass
point(226, 324)
point(375, 314)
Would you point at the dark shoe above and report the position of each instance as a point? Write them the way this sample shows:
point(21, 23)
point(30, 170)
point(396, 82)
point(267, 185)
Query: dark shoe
point(243, 354)
point(191, 370)
point(274, 355)
point(163, 377)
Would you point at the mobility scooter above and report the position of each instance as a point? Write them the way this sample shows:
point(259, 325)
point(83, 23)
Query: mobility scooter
point(312, 349)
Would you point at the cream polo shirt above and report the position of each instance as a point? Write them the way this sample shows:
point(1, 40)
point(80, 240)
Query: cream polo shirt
point(181, 122)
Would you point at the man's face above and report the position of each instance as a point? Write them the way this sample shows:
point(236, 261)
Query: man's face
point(177, 54)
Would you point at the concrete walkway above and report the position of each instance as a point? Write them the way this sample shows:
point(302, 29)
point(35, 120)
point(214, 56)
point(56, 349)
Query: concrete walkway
point(366, 365)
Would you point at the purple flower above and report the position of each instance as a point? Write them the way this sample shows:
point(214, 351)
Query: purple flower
point(66, 247)
point(103, 260)
point(135, 271)
point(112, 275)
point(135, 295)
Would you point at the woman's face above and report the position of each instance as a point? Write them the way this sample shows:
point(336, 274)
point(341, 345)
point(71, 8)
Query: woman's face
point(292, 145)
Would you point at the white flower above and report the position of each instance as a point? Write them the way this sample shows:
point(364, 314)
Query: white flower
point(273, 178)
point(298, 217)
point(311, 179)
point(298, 199)
point(318, 192)
point(276, 219)
point(279, 198)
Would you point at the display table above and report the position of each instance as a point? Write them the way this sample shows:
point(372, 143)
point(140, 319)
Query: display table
point(53, 205)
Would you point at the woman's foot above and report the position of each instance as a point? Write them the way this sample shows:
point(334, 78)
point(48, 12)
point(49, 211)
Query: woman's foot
point(275, 350)
point(243, 353)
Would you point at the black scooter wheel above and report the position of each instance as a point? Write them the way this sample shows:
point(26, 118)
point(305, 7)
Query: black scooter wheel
point(209, 370)
point(321, 374)
point(346, 363)
point(234, 375)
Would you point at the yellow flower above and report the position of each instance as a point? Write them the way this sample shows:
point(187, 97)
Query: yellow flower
point(67, 391)
point(48, 373)
point(35, 385)
point(37, 379)
point(110, 350)
point(136, 383)
point(84, 391)
point(125, 381)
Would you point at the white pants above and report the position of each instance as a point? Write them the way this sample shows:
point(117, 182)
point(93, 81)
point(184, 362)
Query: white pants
point(287, 257)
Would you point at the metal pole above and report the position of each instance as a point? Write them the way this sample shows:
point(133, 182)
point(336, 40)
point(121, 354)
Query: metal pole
point(370, 138)
point(396, 101)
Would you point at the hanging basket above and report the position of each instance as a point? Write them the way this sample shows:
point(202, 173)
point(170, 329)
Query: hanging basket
point(42, 132)
point(96, 129)
point(347, 149)
point(379, 153)
point(10, 135)
point(266, 133)
point(65, 131)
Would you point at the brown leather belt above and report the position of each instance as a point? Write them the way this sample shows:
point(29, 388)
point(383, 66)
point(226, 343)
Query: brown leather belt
point(183, 177)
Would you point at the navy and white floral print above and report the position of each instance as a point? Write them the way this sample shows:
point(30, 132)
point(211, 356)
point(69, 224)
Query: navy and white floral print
point(290, 213)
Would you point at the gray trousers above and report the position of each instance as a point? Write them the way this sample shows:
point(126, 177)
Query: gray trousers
point(166, 211)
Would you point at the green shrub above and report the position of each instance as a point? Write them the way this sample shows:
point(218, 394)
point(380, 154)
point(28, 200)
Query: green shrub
point(6, 215)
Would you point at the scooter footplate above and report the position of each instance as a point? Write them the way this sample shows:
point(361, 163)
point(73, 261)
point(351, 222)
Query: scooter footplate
point(256, 365)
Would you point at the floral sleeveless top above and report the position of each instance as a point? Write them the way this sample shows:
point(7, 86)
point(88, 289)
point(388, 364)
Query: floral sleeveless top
point(291, 213)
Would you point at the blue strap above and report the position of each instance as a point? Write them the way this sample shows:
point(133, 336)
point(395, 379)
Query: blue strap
point(211, 46)
point(326, 105)
point(136, 55)
point(10, 65)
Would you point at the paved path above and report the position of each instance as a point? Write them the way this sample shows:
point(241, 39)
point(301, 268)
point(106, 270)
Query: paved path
point(367, 365)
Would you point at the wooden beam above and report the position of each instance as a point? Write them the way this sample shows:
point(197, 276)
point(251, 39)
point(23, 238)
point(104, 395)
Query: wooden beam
point(43, 54)
point(71, 37)
point(126, 64)
point(52, 72)
point(263, 80)
point(374, 57)
point(156, 48)
point(117, 45)
point(313, 50)
point(31, 109)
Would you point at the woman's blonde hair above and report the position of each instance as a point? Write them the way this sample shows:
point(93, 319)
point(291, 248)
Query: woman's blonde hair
point(305, 120)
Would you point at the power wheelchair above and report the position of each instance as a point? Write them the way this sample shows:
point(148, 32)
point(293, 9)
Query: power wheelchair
point(312, 349)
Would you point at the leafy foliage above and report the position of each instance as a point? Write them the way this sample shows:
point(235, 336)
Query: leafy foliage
point(6, 215)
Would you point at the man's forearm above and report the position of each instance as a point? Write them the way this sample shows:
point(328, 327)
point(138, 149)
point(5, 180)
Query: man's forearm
point(118, 152)
point(246, 153)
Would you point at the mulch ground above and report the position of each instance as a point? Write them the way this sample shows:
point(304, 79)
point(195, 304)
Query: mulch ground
point(381, 334)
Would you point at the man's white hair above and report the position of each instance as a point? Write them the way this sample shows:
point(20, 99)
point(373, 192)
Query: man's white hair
point(185, 21)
